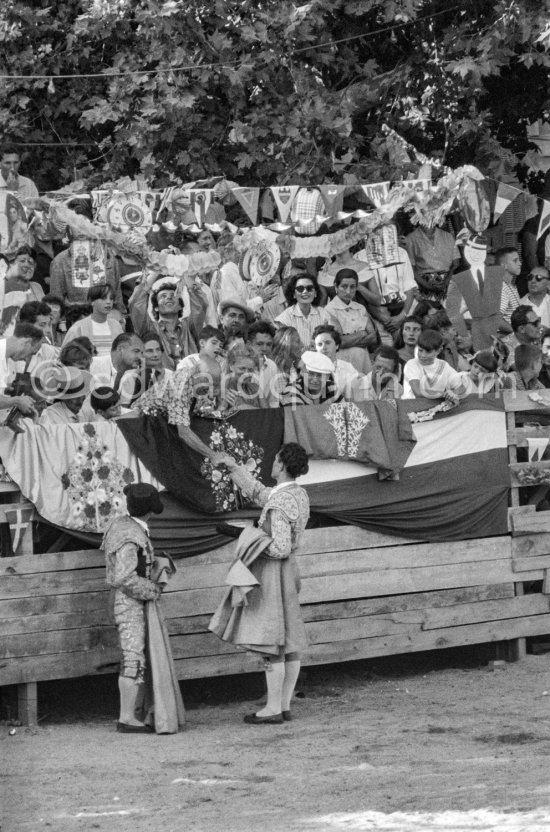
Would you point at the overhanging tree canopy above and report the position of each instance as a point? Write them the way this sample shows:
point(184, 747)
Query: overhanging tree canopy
point(267, 91)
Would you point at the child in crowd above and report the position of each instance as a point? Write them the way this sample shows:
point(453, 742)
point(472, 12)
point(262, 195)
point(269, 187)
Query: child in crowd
point(450, 351)
point(484, 375)
point(428, 376)
point(105, 403)
point(211, 344)
point(528, 364)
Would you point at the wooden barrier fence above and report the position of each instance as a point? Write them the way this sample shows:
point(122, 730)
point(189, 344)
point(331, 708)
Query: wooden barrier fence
point(363, 595)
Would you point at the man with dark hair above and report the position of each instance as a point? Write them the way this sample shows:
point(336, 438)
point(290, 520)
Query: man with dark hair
point(10, 179)
point(37, 313)
point(260, 336)
point(20, 346)
point(449, 352)
point(528, 364)
point(526, 327)
point(508, 257)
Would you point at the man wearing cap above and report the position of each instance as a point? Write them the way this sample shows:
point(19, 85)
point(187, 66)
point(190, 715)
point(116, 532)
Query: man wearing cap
point(129, 558)
point(314, 384)
point(70, 387)
point(477, 291)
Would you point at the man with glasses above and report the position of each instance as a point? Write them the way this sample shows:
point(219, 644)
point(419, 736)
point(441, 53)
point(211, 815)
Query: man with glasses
point(526, 330)
point(537, 296)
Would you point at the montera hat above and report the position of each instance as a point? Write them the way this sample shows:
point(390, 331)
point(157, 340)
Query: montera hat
point(142, 498)
point(316, 362)
point(230, 303)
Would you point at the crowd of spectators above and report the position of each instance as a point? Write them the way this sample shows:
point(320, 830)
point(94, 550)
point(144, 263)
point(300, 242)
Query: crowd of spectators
point(319, 330)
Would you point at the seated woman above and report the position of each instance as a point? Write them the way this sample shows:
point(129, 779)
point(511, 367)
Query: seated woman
point(99, 327)
point(484, 376)
point(286, 353)
point(359, 334)
point(382, 383)
point(327, 341)
point(303, 311)
point(241, 379)
point(77, 353)
point(314, 383)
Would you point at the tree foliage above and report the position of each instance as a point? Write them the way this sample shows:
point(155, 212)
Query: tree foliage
point(268, 91)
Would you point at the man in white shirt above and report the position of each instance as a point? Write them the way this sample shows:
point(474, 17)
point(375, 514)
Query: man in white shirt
point(261, 335)
point(10, 180)
point(24, 343)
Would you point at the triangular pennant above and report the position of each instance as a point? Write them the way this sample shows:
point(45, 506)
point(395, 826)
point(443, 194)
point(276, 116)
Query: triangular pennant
point(505, 195)
point(377, 192)
point(200, 201)
point(333, 197)
point(536, 448)
point(416, 184)
point(544, 223)
point(284, 196)
point(166, 198)
point(249, 199)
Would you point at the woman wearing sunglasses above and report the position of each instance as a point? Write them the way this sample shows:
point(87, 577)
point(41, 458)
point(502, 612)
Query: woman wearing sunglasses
point(303, 312)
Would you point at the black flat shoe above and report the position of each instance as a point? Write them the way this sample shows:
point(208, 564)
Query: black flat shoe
point(275, 719)
point(287, 716)
point(124, 728)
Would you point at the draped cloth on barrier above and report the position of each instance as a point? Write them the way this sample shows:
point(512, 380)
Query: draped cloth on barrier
point(454, 484)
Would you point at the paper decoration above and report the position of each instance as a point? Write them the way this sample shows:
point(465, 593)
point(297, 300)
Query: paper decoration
point(381, 247)
point(284, 197)
point(474, 203)
point(19, 521)
point(200, 202)
point(536, 448)
point(249, 199)
point(333, 197)
point(308, 210)
point(127, 213)
point(415, 184)
point(377, 192)
point(505, 195)
point(544, 223)
point(88, 269)
point(166, 198)
point(260, 262)
point(13, 223)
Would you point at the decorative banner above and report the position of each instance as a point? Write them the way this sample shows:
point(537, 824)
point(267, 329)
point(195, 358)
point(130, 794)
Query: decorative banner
point(13, 224)
point(200, 202)
point(166, 198)
point(536, 448)
point(544, 223)
point(474, 204)
point(87, 270)
point(377, 192)
point(415, 184)
point(129, 213)
point(333, 197)
point(100, 202)
point(249, 199)
point(381, 247)
point(505, 195)
point(284, 198)
point(260, 262)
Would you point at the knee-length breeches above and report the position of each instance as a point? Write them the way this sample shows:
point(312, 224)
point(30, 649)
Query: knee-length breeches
point(130, 621)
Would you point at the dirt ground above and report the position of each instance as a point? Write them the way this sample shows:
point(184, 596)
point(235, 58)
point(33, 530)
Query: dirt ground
point(428, 742)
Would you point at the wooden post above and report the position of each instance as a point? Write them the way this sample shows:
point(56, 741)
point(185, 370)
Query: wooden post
point(27, 703)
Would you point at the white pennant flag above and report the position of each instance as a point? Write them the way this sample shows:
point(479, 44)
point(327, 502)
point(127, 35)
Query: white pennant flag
point(544, 223)
point(284, 197)
point(505, 196)
point(200, 200)
point(536, 448)
point(377, 192)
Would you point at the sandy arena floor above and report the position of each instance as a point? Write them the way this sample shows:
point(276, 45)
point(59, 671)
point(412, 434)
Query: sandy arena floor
point(432, 742)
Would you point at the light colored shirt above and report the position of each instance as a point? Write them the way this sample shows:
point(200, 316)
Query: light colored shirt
point(58, 414)
point(293, 316)
point(4, 368)
point(542, 310)
point(434, 379)
point(26, 188)
point(509, 300)
point(351, 317)
point(395, 279)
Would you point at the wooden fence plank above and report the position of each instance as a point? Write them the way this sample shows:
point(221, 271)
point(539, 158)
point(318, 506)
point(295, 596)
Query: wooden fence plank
point(178, 623)
point(49, 604)
point(57, 642)
point(517, 401)
point(520, 565)
point(54, 562)
point(529, 546)
point(530, 521)
point(500, 610)
point(64, 666)
point(58, 583)
point(63, 621)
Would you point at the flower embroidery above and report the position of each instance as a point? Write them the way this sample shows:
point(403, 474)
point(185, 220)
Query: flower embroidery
point(94, 483)
point(226, 438)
